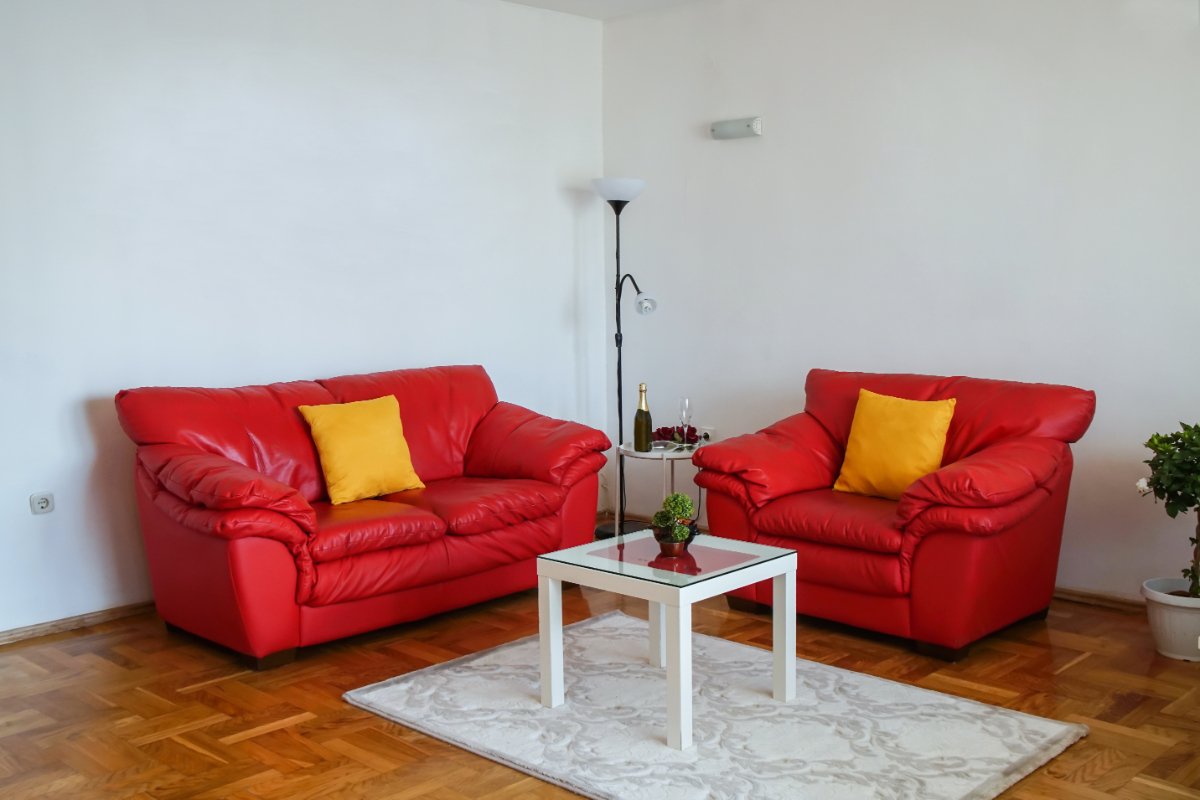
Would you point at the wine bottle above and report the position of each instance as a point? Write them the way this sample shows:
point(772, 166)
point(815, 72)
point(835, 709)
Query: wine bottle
point(641, 423)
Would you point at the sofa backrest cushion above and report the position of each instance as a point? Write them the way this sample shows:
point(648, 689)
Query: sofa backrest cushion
point(440, 407)
point(987, 411)
point(831, 397)
point(257, 426)
point(993, 411)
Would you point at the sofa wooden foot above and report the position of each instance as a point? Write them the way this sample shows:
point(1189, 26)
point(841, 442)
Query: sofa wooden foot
point(748, 606)
point(940, 651)
point(270, 661)
point(1037, 615)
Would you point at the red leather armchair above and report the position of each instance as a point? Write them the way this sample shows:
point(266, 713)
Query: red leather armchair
point(966, 550)
point(245, 549)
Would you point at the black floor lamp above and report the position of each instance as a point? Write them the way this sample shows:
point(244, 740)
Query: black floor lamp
point(619, 192)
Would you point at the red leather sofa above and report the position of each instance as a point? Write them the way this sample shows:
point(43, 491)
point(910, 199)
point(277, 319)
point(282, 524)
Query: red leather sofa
point(244, 548)
point(966, 550)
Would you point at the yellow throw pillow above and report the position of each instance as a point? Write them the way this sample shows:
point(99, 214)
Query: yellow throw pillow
point(362, 448)
point(893, 442)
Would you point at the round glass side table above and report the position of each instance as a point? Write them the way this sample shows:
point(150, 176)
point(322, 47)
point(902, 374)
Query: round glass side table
point(668, 455)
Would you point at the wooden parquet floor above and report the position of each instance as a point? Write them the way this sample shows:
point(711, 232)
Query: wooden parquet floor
point(127, 710)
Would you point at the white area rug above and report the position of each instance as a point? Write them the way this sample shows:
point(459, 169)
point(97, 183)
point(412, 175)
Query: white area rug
point(846, 736)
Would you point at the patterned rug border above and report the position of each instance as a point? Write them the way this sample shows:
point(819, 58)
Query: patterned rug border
point(1072, 732)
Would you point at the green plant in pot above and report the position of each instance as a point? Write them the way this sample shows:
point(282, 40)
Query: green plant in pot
point(1173, 604)
point(674, 524)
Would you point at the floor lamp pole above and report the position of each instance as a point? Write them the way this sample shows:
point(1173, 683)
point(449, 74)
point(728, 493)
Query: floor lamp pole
point(618, 206)
point(617, 192)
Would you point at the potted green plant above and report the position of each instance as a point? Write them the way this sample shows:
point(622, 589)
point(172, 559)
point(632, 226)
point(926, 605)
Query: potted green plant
point(1173, 604)
point(674, 525)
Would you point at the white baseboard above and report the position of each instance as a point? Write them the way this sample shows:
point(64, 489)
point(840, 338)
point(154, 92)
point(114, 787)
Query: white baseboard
point(1100, 599)
point(72, 623)
point(107, 615)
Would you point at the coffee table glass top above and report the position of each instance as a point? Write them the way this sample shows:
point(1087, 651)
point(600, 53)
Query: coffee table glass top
point(637, 556)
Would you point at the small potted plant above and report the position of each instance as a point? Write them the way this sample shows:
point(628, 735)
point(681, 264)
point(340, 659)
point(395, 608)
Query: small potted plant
point(674, 525)
point(1173, 604)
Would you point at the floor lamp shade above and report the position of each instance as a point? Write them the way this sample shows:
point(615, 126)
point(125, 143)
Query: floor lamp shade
point(619, 189)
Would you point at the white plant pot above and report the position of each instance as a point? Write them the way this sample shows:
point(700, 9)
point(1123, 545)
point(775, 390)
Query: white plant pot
point(1174, 620)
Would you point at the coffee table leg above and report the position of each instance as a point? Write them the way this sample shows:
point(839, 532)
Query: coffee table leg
point(550, 636)
point(783, 635)
point(679, 676)
point(658, 635)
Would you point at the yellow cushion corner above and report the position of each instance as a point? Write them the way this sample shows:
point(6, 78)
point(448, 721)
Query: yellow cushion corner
point(893, 442)
point(362, 448)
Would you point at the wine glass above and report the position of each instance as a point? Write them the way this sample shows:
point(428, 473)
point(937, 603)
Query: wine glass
point(685, 418)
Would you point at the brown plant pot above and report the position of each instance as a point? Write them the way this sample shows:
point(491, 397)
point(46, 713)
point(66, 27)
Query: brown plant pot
point(672, 549)
point(668, 546)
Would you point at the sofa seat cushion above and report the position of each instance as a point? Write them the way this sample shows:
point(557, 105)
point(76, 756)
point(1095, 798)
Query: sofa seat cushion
point(364, 526)
point(477, 505)
point(445, 559)
point(859, 571)
point(833, 518)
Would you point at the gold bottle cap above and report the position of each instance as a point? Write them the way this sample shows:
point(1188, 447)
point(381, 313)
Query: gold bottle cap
point(641, 387)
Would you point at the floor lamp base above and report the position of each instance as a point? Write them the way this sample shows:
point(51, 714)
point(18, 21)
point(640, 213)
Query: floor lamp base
point(607, 530)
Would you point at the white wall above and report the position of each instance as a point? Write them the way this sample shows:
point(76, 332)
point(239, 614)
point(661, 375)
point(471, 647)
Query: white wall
point(241, 191)
point(998, 189)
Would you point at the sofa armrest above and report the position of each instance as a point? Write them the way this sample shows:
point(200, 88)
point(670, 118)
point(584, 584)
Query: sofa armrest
point(986, 491)
point(721, 483)
point(793, 455)
point(514, 442)
point(228, 524)
point(213, 482)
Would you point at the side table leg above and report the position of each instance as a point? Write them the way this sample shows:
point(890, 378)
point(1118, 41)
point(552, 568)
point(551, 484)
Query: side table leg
point(679, 676)
point(783, 635)
point(658, 635)
point(550, 639)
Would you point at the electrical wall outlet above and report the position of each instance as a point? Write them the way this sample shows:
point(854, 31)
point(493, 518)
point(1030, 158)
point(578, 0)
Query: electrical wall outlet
point(41, 503)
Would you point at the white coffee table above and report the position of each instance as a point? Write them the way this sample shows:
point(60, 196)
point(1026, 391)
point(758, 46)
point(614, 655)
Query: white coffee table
point(630, 565)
